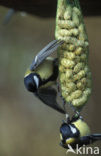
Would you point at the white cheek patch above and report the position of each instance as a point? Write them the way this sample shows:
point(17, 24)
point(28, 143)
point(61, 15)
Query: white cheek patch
point(36, 81)
point(73, 129)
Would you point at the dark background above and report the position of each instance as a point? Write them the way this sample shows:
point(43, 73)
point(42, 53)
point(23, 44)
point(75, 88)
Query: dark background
point(47, 8)
point(28, 127)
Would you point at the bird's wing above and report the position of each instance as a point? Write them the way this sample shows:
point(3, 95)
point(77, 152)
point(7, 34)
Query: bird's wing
point(48, 96)
point(90, 139)
point(44, 53)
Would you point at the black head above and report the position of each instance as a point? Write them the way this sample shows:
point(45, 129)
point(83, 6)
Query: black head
point(69, 133)
point(32, 82)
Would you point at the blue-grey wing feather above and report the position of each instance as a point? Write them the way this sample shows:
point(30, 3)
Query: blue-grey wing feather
point(44, 53)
